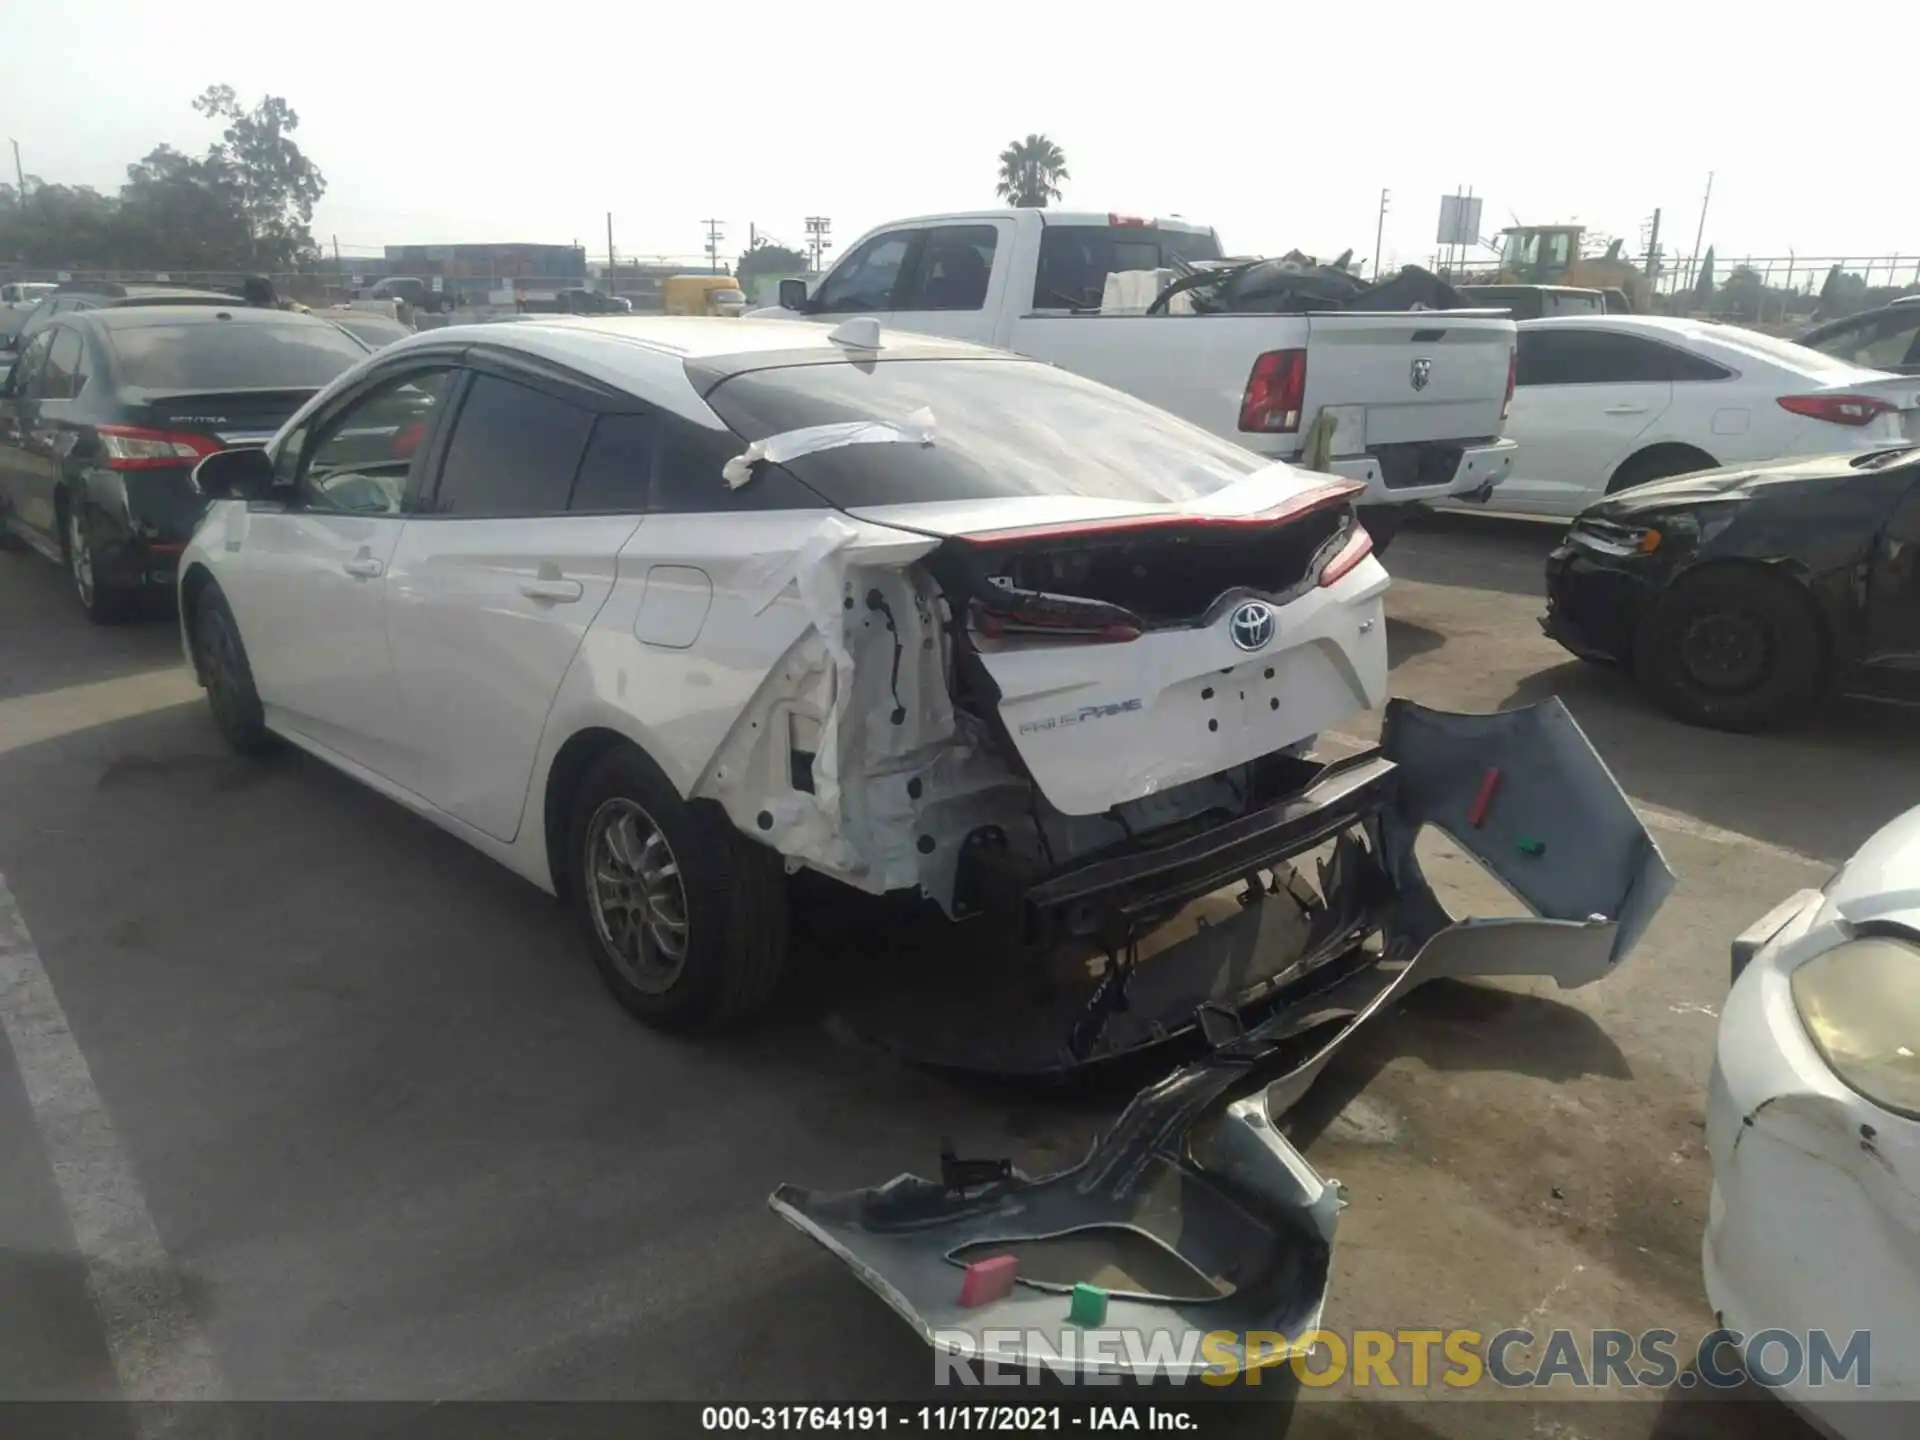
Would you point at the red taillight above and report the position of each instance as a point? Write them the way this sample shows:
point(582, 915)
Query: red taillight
point(1276, 389)
point(1317, 497)
point(407, 439)
point(1838, 409)
point(1513, 373)
point(1359, 545)
point(128, 447)
point(1129, 222)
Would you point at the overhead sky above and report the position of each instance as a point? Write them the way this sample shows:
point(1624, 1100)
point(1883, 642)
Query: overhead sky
point(1279, 124)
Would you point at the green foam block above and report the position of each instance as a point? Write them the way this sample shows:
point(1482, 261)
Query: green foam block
point(1089, 1306)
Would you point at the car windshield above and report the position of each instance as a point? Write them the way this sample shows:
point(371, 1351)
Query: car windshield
point(230, 355)
point(1781, 352)
point(1001, 428)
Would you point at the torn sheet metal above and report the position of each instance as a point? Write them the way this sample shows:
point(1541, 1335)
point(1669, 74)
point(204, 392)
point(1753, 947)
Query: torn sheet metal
point(852, 751)
point(916, 429)
point(1194, 1168)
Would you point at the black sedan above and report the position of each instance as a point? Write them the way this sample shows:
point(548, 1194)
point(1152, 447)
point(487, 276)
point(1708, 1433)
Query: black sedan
point(107, 411)
point(1738, 597)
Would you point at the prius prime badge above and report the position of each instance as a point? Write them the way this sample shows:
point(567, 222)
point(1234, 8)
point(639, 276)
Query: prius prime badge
point(1422, 372)
point(1252, 625)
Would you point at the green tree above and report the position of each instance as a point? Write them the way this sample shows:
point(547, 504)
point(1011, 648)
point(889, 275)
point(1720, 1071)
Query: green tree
point(767, 258)
point(278, 185)
point(183, 213)
point(1030, 172)
point(1703, 287)
point(57, 225)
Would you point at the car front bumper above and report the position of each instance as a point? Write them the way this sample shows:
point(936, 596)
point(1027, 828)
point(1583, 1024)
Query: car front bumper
point(1596, 599)
point(1813, 1226)
point(1196, 1166)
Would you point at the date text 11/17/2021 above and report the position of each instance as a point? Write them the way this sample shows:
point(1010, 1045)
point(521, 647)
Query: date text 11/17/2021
point(938, 1419)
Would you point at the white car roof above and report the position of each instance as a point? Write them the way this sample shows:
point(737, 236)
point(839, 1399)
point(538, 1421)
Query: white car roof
point(646, 355)
point(1728, 344)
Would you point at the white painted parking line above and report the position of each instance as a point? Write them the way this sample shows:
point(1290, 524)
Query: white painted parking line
point(158, 1350)
point(1657, 816)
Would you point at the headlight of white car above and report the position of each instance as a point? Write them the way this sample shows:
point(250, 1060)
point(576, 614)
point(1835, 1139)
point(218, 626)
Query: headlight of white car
point(1860, 1003)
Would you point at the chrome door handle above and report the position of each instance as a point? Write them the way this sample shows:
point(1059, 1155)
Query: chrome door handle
point(364, 567)
point(557, 591)
point(1625, 410)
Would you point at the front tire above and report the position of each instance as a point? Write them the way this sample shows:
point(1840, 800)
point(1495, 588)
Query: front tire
point(231, 697)
point(683, 916)
point(1731, 650)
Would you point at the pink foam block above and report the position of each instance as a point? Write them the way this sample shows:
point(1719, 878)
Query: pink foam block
point(988, 1280)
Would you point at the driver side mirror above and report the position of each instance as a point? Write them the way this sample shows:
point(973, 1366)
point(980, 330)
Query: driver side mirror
point(793, 294)
point(242, 474)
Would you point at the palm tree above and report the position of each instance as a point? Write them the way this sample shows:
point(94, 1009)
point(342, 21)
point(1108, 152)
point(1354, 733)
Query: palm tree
point(1031, 171)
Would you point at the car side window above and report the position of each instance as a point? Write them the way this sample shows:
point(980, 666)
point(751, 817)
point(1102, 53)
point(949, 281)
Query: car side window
point(616, 475)
point(363, 456)
point(25, 381)
point(514, 452)
point(952, 269)
point(61, 378)
point(1590, 357)
point(866, 279)
point(688, 478)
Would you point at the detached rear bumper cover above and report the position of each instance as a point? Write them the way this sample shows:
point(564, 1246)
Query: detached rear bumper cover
point(1195, 1164)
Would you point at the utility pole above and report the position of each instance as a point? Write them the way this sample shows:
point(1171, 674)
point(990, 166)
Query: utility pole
point(19, 172)
point(714, 236)
point(1700, 234)
point(609, 252)
point(818, 227)
point(1653, 248)
point(1379, 229)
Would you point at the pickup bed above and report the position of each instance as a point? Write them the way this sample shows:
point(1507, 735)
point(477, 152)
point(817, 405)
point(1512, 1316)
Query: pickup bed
point(1415, 400)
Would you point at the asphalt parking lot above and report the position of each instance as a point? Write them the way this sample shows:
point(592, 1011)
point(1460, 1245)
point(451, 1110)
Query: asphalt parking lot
point(317, 1103)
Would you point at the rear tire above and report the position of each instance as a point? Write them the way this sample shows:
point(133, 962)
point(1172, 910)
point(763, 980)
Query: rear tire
point(684, 917)
point(1659, 464)
point(231, 697)
point(1731, 650)
point(105, 604)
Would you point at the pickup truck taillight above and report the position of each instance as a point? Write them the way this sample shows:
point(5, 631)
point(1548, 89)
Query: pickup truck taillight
point(1838, 409)
point(1513, 373)
point(1276, 389)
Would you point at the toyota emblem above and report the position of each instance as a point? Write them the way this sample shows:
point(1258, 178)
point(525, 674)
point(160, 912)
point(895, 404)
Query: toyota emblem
point(1252, 625)
point(1422, 372)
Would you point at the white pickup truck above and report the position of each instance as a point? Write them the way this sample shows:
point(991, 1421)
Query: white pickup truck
point(1417, 399)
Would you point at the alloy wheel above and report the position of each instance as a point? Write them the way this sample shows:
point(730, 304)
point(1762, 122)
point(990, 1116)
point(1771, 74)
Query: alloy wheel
point(80, 554)
point(636, 895)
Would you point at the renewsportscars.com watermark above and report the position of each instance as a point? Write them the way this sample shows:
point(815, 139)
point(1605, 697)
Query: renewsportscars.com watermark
point(1410, 1358)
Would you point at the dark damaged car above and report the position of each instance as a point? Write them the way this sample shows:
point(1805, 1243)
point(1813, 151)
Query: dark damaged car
point(1740, 597)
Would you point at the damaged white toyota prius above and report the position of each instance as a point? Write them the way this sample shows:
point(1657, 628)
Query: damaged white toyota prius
point(662, 613)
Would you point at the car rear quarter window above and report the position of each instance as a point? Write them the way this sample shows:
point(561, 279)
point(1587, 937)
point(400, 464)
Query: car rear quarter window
point(1591, 357)
point(215, 354)
point(616, 476)
point(688, 479)
point(515, 451)
point(1001, 428)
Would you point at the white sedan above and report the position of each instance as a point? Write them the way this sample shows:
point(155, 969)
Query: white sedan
point(657, 611)
point(1605, 402)
point(1813, 1126)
